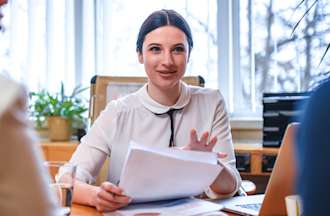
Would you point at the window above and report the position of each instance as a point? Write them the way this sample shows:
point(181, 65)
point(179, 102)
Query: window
point(271, 58)
point(118, 24)
point(45, 44)
point(243, 47)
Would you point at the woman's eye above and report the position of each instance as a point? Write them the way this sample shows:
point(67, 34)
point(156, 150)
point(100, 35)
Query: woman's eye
point(179, 49)
point(155, 49)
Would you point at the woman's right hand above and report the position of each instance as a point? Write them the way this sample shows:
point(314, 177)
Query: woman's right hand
point(110, 197)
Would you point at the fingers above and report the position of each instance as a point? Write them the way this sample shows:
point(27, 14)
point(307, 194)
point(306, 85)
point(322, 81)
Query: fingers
point(193, 136)
point(104, 206)
point(204, 144)
point(204, 138)
point(107, 186)
point(110, 197)
point(212, 142)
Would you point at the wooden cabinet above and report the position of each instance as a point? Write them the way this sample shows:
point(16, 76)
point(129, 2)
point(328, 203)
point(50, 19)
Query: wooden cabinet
point(58, 151)
point(257, 155)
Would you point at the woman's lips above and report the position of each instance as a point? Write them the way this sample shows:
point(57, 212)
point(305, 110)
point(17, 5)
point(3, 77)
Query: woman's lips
point(166, 72)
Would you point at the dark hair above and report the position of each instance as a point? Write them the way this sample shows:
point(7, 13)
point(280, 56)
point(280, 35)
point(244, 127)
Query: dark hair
point(163, 18)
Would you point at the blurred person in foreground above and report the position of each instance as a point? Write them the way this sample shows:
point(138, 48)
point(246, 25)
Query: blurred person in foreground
point(313, 152)
point(24, 186)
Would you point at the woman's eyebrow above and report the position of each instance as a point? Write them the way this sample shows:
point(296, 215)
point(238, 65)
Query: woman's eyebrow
point(153, 44)
point(158, 44)
point(178, 45)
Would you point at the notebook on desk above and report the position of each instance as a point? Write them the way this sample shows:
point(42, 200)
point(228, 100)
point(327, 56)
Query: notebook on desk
point(281, 184)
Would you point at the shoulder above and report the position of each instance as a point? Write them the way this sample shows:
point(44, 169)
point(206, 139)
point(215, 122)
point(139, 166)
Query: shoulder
point(318, 105)
point(201, 93)
point(204, 92)
point(319, 102)
point(322, 91)
point(127, 104)
point(10, 92)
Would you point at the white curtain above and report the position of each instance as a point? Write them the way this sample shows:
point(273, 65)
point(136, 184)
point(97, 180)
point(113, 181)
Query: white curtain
point(47, 42)
point(69, 41)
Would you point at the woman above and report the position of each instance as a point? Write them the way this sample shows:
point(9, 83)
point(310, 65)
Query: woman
point(165, 112)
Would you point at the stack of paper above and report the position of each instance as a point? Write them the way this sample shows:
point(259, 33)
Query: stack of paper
point(152, 174)
point(182, 207)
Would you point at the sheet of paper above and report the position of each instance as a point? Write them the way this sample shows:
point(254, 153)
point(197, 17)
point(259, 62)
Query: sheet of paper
point(182, 207)
point(151, 174)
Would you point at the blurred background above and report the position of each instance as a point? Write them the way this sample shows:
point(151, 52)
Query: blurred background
point(244, 47)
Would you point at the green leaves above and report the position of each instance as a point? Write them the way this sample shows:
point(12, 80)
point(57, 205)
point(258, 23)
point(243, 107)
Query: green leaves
point(44, 104)
point(304, 16)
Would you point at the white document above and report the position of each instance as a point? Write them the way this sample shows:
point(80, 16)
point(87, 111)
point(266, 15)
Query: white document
point(182, 207)
point(151, 174)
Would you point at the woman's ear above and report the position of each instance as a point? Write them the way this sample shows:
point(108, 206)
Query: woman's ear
point(140, 57)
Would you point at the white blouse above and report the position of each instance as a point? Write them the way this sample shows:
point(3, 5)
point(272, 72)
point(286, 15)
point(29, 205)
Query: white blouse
point(134, 118)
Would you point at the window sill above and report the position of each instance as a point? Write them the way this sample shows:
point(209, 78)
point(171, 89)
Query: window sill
point(246, 123)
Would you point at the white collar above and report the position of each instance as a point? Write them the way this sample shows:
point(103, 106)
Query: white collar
point(158, 108)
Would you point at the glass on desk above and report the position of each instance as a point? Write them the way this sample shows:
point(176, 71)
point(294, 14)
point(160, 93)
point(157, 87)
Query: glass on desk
point(293, 205)
point(62, 181)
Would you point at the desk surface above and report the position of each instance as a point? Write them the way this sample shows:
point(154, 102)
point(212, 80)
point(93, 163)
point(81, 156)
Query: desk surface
point(82, 210)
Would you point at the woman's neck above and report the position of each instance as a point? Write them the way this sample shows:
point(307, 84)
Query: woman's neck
point(166, 97)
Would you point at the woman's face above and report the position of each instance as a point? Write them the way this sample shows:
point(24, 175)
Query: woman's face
point(165, 54)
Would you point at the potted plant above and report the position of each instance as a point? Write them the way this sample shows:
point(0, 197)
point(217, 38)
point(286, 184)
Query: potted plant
point(61, 113)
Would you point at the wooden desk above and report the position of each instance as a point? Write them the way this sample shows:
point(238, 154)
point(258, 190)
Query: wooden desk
point(82, 210)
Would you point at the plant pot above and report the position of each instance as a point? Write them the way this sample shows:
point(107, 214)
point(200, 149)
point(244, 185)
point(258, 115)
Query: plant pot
point(42, 133)
point(59, 128)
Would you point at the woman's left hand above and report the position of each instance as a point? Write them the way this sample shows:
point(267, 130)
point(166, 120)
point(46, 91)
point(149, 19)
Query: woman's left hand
point(201, 144)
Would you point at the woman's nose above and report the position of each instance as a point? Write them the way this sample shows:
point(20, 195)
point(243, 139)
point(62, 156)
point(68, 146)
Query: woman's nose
point(167, 59)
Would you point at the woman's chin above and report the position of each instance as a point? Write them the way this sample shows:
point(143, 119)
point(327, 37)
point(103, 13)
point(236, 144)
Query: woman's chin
point(167, 83)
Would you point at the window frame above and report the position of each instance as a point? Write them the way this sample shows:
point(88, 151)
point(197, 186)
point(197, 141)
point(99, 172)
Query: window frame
point(229, 79)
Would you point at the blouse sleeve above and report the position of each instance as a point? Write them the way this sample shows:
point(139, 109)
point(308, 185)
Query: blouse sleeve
point(221, 129)
point(95, 146)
